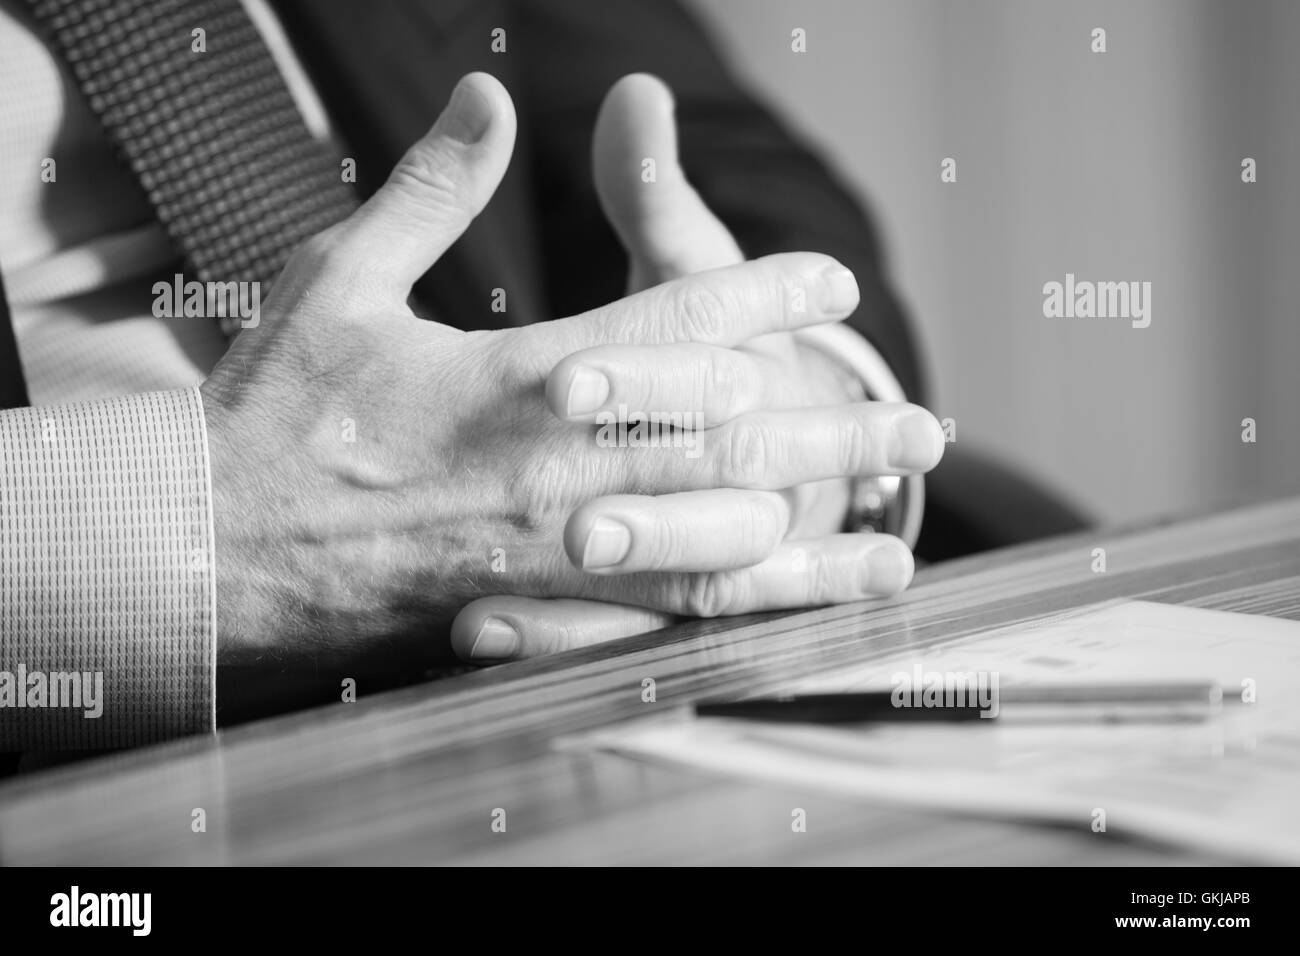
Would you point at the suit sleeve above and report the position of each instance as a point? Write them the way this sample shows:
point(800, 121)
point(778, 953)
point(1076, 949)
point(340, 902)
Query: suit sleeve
point(106, 591)
point(772, 191)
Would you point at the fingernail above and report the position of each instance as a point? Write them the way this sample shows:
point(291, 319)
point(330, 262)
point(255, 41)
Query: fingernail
point(919, 441)
point(607, 544)
point(588, 390)
point(467, 116)
point(890, 568)
point(496, 640)
point(839, 294)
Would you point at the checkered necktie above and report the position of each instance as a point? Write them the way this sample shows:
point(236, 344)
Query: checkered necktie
point(213, 137)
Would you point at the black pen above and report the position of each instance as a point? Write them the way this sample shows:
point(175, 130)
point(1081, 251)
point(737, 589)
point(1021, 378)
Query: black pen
point(1152, 702)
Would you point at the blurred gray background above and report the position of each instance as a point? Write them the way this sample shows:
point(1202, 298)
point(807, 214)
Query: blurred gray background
point(1117, 166)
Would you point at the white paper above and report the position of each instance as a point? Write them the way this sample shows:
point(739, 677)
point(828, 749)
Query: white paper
point(1229, 785)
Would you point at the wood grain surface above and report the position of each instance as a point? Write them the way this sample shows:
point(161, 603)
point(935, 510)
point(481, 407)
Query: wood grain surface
point(413, 776)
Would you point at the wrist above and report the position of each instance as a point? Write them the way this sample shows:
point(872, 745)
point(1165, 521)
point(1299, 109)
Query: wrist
point(240, 607)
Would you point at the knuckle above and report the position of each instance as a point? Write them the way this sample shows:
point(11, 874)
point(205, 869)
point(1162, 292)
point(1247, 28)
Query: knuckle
point(326, 266)
point(726, 382)
point(781, 288)
point(525, 356)
point(432, 179)
point(669, 541)
point(537, 497)
point(876, 437)
point(702, 312)
point(823, 579)
point(863, 444)
point(747, 456)
point(855, 451)
point(710, 594)
point(762, 525)
point(544, 637)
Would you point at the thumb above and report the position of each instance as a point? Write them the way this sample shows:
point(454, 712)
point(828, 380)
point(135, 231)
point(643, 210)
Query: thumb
point(502, 628)
point(439, 185)
point(665, 227)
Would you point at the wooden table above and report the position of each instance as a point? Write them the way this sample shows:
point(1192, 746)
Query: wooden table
point(413, 776)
